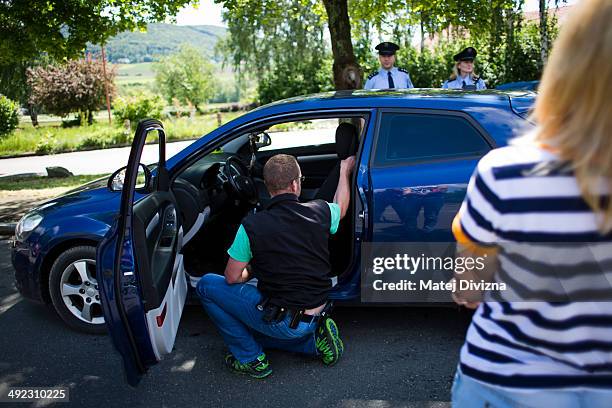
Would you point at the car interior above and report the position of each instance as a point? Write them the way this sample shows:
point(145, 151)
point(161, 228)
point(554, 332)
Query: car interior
point(217, 190)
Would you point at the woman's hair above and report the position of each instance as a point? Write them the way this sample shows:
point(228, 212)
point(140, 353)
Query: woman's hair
point(574, 110)
point(455, 73)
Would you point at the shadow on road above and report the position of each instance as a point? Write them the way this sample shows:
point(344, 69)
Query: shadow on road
point(394, 357)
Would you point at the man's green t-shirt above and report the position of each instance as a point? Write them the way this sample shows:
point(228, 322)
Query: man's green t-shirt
point(241, 248)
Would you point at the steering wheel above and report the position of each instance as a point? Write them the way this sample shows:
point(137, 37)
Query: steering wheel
point(239, 180)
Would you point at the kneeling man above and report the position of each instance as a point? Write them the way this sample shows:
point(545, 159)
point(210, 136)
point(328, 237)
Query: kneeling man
point(286, 248)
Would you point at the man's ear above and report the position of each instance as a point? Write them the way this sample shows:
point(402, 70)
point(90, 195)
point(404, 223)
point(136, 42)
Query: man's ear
point(295, 186)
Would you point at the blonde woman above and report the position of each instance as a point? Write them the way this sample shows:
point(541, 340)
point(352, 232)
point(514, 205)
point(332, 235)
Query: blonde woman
point(463, 76)
point(534, 207)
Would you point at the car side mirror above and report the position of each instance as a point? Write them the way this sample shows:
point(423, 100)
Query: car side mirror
point(116, 180)
point(261, 140)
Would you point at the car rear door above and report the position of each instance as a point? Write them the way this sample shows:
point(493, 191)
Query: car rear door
point(140, 266)
point(420, 166)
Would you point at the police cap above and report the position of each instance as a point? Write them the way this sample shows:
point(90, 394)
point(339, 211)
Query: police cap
point(467, 54)
point(387, 48)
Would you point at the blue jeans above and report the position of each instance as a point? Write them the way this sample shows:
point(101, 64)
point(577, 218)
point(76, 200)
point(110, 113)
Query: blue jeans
point(470, 393)
point(233, 309)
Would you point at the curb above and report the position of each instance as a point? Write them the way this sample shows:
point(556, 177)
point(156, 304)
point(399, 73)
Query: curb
point(7, 229)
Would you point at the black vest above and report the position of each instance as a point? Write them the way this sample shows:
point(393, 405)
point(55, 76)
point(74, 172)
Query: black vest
point(289, 244)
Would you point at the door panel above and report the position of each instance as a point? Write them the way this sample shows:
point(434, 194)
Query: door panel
point(140, 265)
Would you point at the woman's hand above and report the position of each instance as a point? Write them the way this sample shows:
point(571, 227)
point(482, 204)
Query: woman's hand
point(460, 298)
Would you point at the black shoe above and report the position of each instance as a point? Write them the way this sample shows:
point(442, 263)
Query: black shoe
point(328, 342)
point(258, 368)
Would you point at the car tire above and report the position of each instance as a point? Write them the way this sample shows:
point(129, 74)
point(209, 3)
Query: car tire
point(74, 290)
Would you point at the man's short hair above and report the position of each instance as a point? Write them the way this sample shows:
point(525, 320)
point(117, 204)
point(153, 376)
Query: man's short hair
point(280, 170)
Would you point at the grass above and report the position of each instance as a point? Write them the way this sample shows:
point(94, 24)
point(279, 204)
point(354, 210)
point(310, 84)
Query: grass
point(43, 182)
point(143, 69)
point(132, 78)
point(55, 139)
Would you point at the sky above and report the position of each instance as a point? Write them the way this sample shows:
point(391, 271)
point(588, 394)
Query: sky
point(209, 13)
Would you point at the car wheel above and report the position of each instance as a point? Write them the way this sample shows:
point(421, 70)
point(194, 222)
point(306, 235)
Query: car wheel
point(74, 290)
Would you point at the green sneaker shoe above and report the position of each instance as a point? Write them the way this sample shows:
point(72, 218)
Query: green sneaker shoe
point(328, 342)
point(258, 368)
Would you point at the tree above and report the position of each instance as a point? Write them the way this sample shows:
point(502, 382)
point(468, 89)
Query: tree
point(186, 76)
point(543, 11)
point(280, 44)
point(260, 29)
point(271, 34)
point(346, 68)
point(14, 85)
point(76, 86)
point(62, 28)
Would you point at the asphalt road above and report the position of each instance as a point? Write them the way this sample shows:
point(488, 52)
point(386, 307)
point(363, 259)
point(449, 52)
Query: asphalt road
point(402, 357)
point(108, 160)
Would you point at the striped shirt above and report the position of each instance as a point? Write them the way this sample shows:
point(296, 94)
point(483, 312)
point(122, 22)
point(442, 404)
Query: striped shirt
point(552, 328)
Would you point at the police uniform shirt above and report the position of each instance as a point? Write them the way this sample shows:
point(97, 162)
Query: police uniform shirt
point(380, 79)
point(457, 83)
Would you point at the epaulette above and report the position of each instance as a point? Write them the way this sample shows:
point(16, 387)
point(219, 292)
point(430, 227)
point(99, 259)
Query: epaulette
point(475, 78)
point(404, 70)
point(372, 75)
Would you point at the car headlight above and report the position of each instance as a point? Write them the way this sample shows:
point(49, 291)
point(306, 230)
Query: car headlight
point(27, 225)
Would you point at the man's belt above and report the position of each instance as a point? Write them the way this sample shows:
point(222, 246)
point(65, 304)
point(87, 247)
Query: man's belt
point(273, 313)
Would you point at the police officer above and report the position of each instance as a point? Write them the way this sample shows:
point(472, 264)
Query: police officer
point(285, 247)
point(388, 76)
point(463, 76)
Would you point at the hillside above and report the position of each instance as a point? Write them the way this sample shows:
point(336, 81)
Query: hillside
point(159, 40)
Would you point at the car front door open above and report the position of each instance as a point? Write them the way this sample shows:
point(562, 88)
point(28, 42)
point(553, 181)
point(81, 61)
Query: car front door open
point(140, 265)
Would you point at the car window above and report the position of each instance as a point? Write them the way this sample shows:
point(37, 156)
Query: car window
point(407, 138)
point(303, 133)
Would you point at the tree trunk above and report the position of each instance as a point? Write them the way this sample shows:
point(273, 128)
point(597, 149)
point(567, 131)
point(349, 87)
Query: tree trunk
point(33, 114)
point(422, 33)
point(347, 72)
point(543, 33)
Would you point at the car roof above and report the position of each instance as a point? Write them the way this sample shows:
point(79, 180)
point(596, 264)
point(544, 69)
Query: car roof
point(400, 98)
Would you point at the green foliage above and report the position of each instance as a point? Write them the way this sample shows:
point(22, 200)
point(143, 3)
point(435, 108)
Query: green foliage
point(9, 116)
point(62, 28)
point(76, 86)
point(285, 52)
point(186, 76)
point(507, 49)
point(137, 107)
point(47, 144)
point(160, 40)
point(279, 43)
point(227, 91)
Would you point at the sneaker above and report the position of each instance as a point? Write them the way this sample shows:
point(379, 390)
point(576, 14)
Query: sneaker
point(328, 342)
point(258, 368)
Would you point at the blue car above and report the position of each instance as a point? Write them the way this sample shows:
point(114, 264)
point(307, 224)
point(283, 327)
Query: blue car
point(519, 86)
point(158, 227)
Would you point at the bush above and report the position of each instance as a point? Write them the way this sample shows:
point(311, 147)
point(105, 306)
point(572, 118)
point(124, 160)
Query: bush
point(9, 115)
point(106, 138)
point(47, 144)
point(140, 106)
